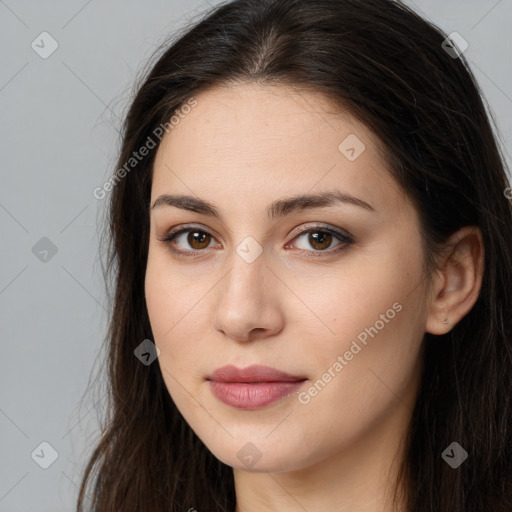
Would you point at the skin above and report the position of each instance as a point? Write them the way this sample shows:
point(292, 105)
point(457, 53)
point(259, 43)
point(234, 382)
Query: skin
point(241, 148)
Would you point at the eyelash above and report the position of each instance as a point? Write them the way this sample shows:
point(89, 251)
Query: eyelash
point(345, 238)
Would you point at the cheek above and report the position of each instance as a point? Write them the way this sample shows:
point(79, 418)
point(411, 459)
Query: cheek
point(171, 298)
point(363, 372)
point(374, 318)
point(166, 315)
point(170, 317)
point(383, 291)
point(175, 312)
point(379, 335)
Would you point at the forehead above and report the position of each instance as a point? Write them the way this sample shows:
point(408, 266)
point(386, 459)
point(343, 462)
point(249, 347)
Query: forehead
point(248, 140)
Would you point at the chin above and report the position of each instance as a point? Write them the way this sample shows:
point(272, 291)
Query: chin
point(264, 455)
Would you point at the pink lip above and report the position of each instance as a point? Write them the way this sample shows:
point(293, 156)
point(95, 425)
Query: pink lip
point(252, 387)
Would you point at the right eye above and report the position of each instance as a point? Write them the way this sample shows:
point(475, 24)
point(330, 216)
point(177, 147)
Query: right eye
point(197, 240)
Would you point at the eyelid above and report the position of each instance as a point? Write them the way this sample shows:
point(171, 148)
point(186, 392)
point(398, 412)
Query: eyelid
point(343, 236)
point(183, 228)
point(320, 226)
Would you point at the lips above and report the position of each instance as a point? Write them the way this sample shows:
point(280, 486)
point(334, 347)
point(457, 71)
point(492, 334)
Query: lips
point(252, 387)
point(255, 373)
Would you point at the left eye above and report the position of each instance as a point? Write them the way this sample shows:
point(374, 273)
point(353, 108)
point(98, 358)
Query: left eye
point(198, 239)
point(321, 239)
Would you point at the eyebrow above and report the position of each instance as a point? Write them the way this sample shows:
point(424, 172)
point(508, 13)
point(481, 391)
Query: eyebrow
point(278, 209)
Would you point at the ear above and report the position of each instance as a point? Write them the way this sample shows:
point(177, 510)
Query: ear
point(458, 282)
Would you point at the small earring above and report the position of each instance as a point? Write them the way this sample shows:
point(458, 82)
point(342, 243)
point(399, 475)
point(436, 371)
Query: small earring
point(446, 320)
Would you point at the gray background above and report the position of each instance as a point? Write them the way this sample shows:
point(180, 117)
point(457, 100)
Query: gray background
point(59, 140)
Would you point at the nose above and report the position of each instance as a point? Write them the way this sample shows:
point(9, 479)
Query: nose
point(248, 305)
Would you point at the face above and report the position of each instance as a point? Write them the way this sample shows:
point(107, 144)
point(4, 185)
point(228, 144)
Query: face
point(329, 292)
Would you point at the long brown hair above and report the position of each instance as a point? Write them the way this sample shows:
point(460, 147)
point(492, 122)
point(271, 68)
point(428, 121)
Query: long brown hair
point(388, 67)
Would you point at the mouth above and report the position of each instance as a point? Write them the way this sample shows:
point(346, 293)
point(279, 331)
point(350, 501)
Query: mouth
point(253, 387)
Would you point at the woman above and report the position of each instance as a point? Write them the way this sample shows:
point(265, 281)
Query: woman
point(311, 245)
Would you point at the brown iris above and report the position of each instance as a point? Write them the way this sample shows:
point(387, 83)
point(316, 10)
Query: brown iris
point(320, 238)
point(196, 238)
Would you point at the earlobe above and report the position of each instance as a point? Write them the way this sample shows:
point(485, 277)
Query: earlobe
point(460, 273)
